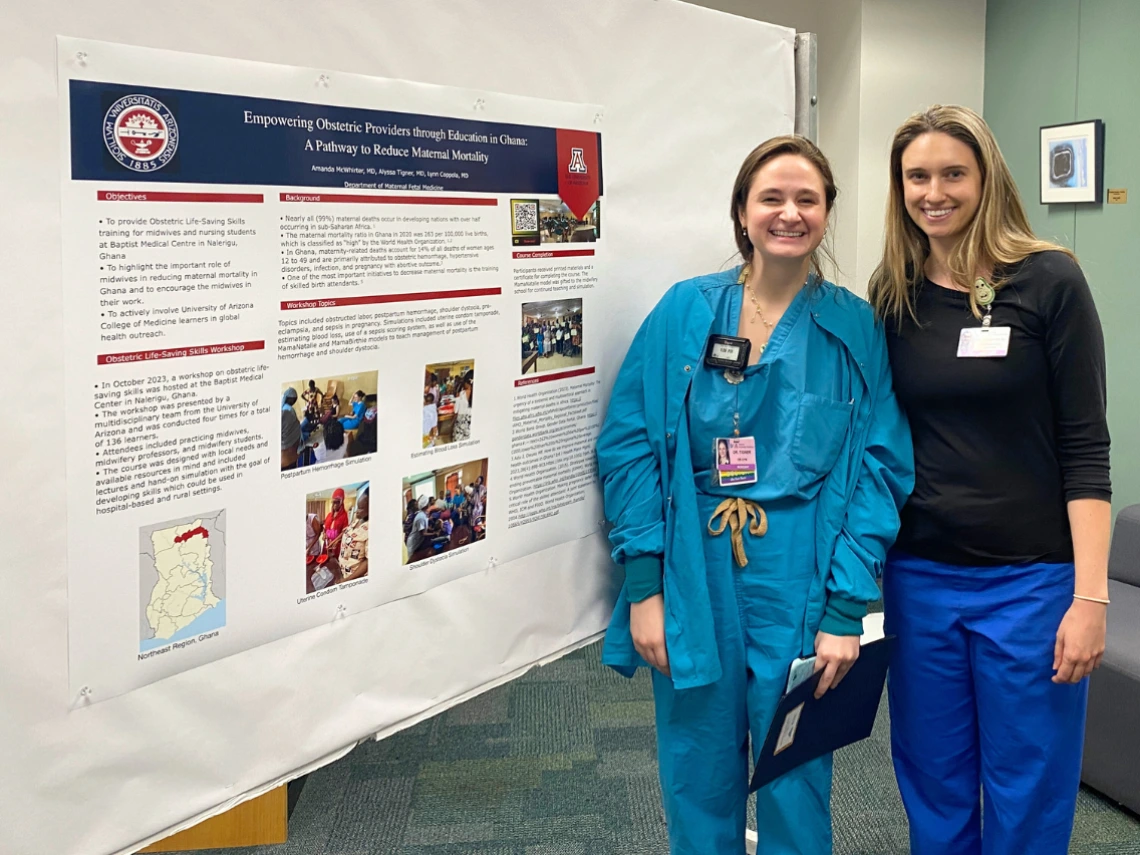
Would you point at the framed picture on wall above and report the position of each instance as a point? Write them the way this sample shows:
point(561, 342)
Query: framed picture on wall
point(1072, 163)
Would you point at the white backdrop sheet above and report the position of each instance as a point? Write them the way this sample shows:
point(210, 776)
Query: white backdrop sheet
point(686, 93)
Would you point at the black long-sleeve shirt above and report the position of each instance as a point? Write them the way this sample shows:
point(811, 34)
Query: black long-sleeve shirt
point(1001, 444)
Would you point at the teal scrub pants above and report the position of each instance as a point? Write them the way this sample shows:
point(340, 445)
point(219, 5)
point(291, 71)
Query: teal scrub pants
point(703, 733)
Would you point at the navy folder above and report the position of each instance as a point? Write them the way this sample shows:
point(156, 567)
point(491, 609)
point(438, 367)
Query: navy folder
point(805, 728)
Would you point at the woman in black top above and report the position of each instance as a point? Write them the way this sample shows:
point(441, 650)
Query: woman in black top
point(997, 585)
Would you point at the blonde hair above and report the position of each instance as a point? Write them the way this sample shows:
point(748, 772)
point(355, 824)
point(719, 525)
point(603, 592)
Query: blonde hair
point(762, 154)
point(998, 235)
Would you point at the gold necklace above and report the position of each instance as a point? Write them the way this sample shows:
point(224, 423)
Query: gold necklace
point(768, 325)
point(759, 312)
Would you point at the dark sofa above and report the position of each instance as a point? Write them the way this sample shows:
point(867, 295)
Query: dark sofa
point(1112, 738)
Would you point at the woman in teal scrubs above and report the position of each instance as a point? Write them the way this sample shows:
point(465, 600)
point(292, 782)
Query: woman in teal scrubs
point(731, 575)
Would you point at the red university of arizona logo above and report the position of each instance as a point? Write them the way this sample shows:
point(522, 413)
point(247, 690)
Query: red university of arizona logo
point(141, 133)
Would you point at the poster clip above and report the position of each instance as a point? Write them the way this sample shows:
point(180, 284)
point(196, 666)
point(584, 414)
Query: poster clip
point(323, 81)
point(85, 695)
point(492, 563)
point(341, 611)
point(479, 104)
point(598, 118)
point(81, 58)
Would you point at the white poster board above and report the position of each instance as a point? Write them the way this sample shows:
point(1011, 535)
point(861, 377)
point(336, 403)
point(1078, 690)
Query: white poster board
point(280, 300)
point(109, 771)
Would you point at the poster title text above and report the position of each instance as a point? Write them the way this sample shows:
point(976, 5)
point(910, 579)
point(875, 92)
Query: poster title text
point(390, 130)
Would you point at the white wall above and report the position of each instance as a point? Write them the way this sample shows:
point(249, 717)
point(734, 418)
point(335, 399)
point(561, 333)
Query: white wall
point(915, 53)
point(836, 23)
point(879, 61)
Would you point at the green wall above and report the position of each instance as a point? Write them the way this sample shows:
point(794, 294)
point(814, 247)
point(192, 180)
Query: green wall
point(1054, 61)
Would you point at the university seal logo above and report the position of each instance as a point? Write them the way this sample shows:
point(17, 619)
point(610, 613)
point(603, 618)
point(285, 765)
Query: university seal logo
point(141, 133)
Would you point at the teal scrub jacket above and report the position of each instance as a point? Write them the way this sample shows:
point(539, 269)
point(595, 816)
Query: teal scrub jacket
point(645, 466)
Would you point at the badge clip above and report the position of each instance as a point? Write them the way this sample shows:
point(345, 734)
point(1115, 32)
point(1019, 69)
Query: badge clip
point(729, 353)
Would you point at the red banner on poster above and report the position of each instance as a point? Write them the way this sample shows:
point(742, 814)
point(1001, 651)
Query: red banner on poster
point(178, 352)
point(552, 253)
point(579, 170)
point(375, 299)
point(559, 375)
point(159, 196)
point(362, 198)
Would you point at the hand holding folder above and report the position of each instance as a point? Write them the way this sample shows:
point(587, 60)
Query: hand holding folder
point(806, 727)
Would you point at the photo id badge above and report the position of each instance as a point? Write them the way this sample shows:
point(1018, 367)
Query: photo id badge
point(983, 341)
point(735, 460)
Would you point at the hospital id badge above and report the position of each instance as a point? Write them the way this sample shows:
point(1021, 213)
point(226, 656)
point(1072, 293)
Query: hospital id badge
point(735, 460)
point(983, 342)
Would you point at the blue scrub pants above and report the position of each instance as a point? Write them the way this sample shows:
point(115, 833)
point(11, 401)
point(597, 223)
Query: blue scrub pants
point(973, 707)
point(702, 733)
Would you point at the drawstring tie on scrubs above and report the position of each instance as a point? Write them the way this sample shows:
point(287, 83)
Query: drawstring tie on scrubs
point(735, 514)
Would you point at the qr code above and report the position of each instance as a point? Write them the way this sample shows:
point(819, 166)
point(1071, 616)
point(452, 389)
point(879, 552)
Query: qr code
point(525, 216)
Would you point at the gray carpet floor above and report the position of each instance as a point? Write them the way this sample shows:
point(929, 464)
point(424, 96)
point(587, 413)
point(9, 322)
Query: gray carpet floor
point(563, 762)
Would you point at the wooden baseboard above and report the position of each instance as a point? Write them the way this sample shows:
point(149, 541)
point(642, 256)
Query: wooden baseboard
point(257, 822)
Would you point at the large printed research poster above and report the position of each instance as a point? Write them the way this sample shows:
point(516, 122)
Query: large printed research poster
point(328, 344)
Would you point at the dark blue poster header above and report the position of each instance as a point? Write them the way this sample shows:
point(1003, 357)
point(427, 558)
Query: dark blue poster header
point(121, 133)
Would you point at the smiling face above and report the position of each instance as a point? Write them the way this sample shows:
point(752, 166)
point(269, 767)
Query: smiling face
point(942, 185)
point(785, 213)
